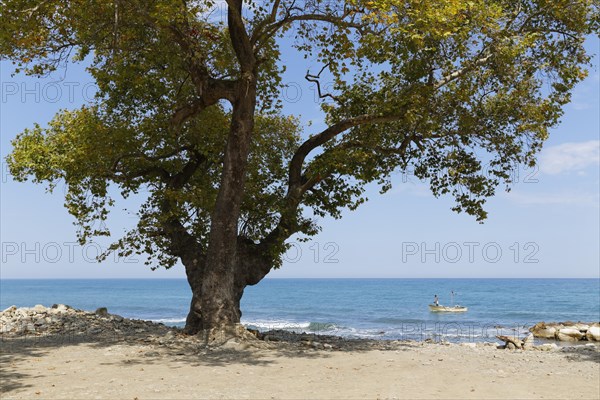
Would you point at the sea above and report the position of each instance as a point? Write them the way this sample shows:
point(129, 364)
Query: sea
point(354, 308)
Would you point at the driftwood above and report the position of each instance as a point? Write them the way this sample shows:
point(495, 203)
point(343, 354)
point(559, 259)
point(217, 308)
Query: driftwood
point(516, 343)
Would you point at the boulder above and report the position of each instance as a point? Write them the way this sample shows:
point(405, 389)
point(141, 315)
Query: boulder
point(102, 311)
point(541, 330)
point(569, 335)
point(581, 326)
point(593, 333)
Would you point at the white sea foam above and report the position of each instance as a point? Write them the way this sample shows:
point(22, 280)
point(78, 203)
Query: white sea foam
point(266, 325)
point(330, 328)
point(168, 321)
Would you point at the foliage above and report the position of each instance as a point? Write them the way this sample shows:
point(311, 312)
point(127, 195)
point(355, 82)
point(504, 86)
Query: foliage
point(442, 88)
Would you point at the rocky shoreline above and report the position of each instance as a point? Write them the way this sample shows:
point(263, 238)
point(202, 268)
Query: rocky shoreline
point(567, 331)
point(63, 323)
point(66, 320)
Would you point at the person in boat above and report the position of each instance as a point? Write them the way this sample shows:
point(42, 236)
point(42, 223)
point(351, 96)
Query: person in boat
point(436, 301)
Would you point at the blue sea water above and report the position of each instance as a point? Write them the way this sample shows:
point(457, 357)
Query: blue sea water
point(361, 308)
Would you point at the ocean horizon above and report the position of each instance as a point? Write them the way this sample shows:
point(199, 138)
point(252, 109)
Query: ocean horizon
point(374, 308)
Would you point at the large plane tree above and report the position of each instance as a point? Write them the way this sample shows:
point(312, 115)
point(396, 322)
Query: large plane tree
point(188, 115)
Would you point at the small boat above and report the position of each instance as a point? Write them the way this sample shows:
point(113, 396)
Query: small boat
point(454, 308)
point(440, 308)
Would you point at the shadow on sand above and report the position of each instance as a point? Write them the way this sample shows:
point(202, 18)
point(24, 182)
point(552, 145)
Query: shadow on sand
point(17, 354)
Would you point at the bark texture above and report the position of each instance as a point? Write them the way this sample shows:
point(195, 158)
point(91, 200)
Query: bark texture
point(252, 264)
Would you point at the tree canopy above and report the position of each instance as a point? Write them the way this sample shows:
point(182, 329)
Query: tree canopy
point(457, 91)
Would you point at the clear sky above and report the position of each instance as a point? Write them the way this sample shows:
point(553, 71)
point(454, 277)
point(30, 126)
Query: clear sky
point(547, 226)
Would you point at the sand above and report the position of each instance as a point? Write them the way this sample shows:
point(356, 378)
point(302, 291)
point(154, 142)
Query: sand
point(134, 369)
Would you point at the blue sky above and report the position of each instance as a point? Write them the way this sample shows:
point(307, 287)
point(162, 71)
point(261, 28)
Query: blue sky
point(547, 226)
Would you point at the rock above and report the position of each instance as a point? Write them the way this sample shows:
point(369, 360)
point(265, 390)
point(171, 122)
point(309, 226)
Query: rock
point(547, 347)
point(581, 326)
point(102, 311)
point(593, 333)
point(61, 308)
point(543, 331)
point(566, 338)
point(10, 310)
point(169, 335)
point(470, 345)
point(39, 308)
point(569, 335)
point(255, 332)
point(511, 342)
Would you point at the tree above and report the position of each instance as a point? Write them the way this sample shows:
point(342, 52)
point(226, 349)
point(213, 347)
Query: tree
point(188, 114)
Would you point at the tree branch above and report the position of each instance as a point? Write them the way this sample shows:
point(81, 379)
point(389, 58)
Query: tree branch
point(179, 180)
point(298, 184)
point(214, 91)
point(315, 79)
point(269, 30)
point(458, 73)
point(295, 169)
point(239, 37)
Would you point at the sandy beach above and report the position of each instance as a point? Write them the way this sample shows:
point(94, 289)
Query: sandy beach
point(63, 353)
point(142, 369)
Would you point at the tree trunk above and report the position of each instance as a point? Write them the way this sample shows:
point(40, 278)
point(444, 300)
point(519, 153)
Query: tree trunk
point(219, 297)
point(193, 322)
point(253, 264)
